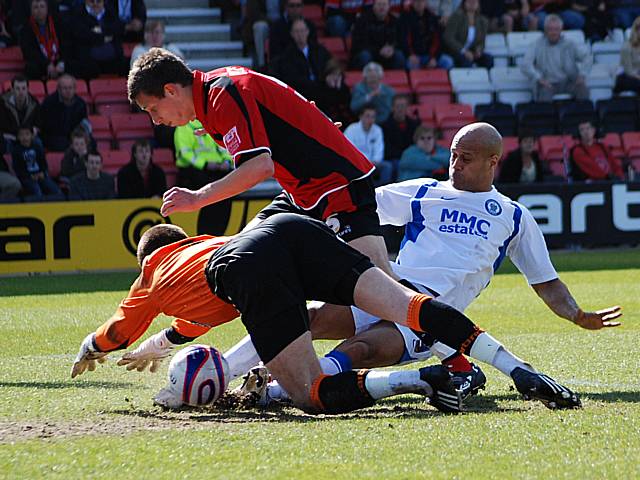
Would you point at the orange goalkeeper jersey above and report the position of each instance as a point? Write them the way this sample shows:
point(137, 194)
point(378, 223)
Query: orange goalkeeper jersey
point(172, 282)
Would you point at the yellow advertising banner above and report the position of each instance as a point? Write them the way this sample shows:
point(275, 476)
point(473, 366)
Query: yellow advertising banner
point(100, 235)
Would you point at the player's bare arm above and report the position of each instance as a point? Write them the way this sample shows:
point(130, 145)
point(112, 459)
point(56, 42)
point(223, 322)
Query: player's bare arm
point(247, 175)
point(559, 299)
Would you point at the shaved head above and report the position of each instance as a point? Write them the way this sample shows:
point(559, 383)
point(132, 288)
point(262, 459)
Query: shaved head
point(475, 152)
point(482, 137)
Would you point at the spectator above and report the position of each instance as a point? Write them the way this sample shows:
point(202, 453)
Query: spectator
point(254, 29)
point(629, 78)
point(30, 166)
point(6, 38)
point(598, 21)
point(420, 38)
point(523, 165)
point(341, 15)
point(154, 37)
point(92, 183)
point(280, 34)
point(42, 44)
point(9, 185)
point(465, 34)
point(571, 12)
point(592, 160)
point(334, 97)
point(375, 38)
point(132, 15)
point(367, 137)
point(443, 9)
point(398, 130)
point(97, 43)
point(301, 65)
point(140, 178)
point(62, 112)
point(425, 158)
point(198, 157)
point(18, 108)
point(624, 12)
point(556, 65)
point(509, 15)
point(75, 157)
point(371, 90)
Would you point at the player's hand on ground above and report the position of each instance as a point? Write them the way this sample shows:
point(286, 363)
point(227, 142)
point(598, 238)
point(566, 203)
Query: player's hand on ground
point(87, 357)
point(601, 319)
point(149, 353)
point(178, 199)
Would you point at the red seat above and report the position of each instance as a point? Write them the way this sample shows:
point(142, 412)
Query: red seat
point(631, 143)
point(552, 147)
point(432, 81)
point(351, 77)
point(613, 141)
point(453, 115)
point(335, 46)
point(509, 144)
point(11, 59)
point(108, 109)
point(557, 168)
point(163, 157)
point(36, 88)
point(127, 49)
point(115, 159)
point(109, 90)
point(131, 126)
point(397, 79)
point(104, 145)
point(101, 130)
point(635, 163)
point(435, 99)
point(171, 178)
point(313, 13)
point(425, 112)
point(54, 161)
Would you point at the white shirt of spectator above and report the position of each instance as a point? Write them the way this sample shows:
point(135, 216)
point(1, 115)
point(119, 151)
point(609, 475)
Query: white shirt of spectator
point(370, 144)
point(455, 240)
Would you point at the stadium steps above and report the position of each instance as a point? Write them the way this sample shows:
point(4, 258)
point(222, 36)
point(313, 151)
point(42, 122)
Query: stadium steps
point(197, 31)
point(185, 16)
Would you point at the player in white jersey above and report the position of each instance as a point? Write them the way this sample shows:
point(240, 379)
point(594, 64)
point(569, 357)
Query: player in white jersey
point(457, 234)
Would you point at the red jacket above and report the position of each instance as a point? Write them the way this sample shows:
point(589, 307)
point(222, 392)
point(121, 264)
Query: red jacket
point(595, 162)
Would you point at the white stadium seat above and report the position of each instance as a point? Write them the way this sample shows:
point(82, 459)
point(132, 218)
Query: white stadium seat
point(602, 75)
point(519, 42)
point(617, 36)
point(465, 80)
point(608, 58)
point(598, 93)
point(495, 44)
point(606, 47)
point(514, 97)
point(474, 98)
point(576, 36)
point(509, 78)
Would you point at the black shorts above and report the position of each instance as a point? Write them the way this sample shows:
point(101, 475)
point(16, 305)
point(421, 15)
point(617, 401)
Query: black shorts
point(270, 271)
point(350, 212)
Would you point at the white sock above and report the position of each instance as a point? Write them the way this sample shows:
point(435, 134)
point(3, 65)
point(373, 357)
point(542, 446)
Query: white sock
point(241, 357)
point(276, 392)
point(505, 361)
point(381, 384)
point(442, 351)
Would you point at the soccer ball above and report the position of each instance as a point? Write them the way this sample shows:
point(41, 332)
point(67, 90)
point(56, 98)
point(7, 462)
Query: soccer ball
point(198, 375)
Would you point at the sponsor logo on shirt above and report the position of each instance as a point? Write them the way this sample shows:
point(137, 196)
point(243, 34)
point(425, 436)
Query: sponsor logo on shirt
point(458, 222)
point(232, 141)
point(492, 207)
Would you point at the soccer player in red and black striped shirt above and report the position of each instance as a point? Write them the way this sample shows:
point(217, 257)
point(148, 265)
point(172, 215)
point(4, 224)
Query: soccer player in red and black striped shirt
point(270, 130)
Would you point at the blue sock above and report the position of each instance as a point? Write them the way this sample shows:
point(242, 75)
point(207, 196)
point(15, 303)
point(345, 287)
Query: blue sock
point(340, 359)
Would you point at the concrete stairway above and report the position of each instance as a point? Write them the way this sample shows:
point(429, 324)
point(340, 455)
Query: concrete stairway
point(196, 30)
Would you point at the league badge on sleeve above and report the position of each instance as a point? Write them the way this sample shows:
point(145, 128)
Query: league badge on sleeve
point(493, 207)
point(232, 141)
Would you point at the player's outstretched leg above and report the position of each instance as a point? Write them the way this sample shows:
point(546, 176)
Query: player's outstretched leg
point(537, 386)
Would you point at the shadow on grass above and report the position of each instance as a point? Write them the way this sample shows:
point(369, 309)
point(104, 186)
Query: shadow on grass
point(69, 384)
point(60, 284)
point(613, 397)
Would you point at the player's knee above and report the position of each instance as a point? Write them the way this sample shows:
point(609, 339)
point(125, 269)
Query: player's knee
point(360, 351)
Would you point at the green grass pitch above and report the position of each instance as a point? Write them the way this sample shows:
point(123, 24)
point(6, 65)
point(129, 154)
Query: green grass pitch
point(103, 425)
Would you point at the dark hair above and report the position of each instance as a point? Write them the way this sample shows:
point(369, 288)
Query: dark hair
point(24, 127)
point(80, 132)
point(365, 107)
point(158, 236)
point(403, 96)
point(19, 79)
point(153, 70)
point(526, 133)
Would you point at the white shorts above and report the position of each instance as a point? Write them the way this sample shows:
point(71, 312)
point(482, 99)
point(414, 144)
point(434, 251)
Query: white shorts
point(414, 349)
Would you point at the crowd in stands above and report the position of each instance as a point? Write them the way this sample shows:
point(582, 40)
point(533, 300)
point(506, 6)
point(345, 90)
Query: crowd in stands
point(401, 76)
